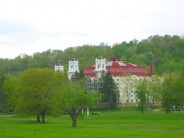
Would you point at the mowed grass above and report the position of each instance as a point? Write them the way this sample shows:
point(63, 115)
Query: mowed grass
point(110, 124)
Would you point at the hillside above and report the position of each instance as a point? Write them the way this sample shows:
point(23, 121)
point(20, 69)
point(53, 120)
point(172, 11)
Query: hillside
point(165, 53)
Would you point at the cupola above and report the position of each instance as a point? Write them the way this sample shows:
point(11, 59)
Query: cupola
point(59, 67)
point(73, 67)
point(100, 64)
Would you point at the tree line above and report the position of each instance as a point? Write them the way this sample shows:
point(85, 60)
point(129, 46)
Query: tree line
point(167, 90)
point(165, 53)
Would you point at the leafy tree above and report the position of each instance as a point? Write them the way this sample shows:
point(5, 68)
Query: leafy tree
point(2, 94)
point(179, 94)
point(37, 92)
point(172, 94)
point(74, 97)
point(9, 87)
point(77, 75)
point(108, 89)
point(142, 91)
point(169, 95)
point(154, 86)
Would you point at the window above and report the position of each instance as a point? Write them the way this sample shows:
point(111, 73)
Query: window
point(71, 66)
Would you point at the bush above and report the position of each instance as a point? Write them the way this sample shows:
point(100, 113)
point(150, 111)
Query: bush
point(95, 113)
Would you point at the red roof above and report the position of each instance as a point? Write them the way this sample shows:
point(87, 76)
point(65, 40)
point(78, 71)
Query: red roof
point(119, 68)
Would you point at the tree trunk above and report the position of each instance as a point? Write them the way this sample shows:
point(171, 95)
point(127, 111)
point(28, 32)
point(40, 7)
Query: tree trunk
point(43, 118)
point(142, 109)
point(38, 118)
point(74, 121)
point(179, 109)
point(82, 111)
point(73, 115)
point(167, 110)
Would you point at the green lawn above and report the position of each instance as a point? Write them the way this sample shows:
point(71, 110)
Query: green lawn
point(110, 124)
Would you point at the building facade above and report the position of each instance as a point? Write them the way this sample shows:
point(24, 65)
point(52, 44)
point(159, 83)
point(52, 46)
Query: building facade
point(126, 76)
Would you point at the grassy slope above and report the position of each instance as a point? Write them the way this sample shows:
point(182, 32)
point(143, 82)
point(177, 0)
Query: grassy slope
point(107, 125)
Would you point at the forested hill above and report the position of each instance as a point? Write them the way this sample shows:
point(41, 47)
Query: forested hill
point(165, 53)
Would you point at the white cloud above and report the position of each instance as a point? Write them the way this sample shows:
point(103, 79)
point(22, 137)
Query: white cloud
point(37, 25)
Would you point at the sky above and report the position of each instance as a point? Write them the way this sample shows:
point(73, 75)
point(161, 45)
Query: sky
point(30, 26)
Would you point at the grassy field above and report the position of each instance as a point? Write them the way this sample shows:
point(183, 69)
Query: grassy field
point(110, 124)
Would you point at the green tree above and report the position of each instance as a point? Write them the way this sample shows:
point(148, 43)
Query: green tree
point(154, 86)
point(2, 94)
point(9, 87)
point(37, 92)
point(75, 97)
point(108, 89)
point(142, 91)
point(179, 94)
point(77, 75)
point(169, 95)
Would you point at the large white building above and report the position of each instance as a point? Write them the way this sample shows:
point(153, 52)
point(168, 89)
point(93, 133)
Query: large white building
point(125, 74)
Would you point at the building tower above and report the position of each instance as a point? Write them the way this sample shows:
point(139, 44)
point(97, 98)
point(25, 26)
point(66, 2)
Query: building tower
point(100, 65)
point(73, 67)
point(59, 67)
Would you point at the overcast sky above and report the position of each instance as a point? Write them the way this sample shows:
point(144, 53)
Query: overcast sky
point(29, 26)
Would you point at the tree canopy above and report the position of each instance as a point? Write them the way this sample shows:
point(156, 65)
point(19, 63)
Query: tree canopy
point(75, 97)
point(172, 91)
point(108, 89)
point(165, 53)
point(37, 91)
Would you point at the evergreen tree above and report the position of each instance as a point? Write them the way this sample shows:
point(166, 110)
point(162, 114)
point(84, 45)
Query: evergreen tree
point(77, 75)
point(109, 90)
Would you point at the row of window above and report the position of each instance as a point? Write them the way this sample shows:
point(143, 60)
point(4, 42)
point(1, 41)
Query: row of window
point(131, 100)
